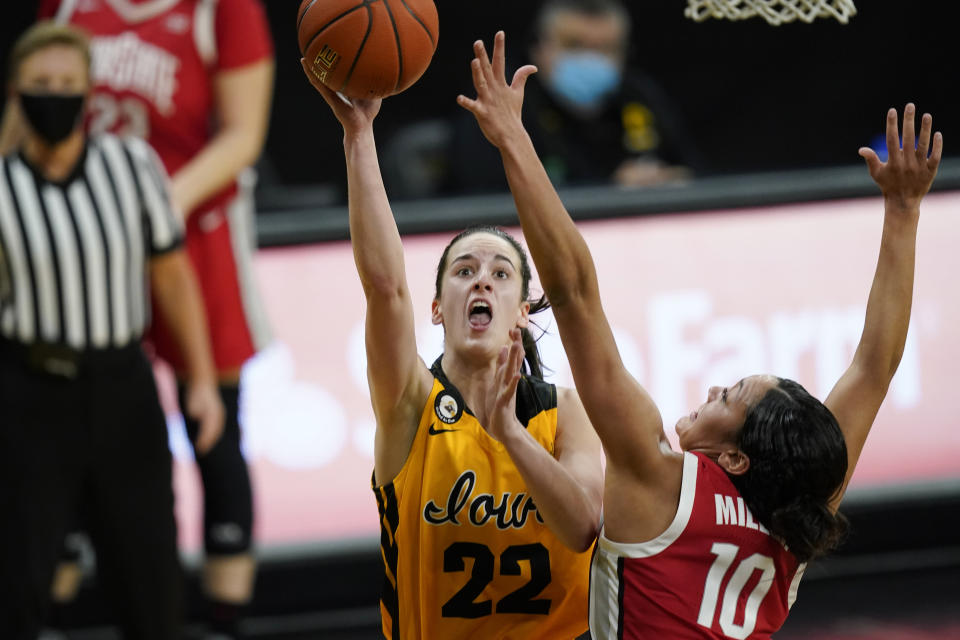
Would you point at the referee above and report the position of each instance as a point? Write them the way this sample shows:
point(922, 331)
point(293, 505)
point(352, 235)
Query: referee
point(86, 229)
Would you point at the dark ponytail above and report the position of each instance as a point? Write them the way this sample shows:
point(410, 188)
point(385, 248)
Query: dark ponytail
point(531, 354)
point(798, 460)
point(808, 527)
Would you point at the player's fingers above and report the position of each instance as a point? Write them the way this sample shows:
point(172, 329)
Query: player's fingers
point(204, 436)
point(893, 138)
point(504, 375)
point(480, 51)
point(510, 377)
point(503, 368)
point(909, 128)
point(334, 98)
point(516, 351)
point(499, 55)
point(934, 160)
point(469, 104)
point(923, 142)
point(516, 370)
point(365, 104)
point(479, 79)
point(871, 158)
point(328, 94)
point(521, 75)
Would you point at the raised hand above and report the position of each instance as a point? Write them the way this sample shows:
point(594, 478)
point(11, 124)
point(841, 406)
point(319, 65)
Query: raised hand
point(354, 115)
point(502, 398)
point(498, 105)
point(907, 174)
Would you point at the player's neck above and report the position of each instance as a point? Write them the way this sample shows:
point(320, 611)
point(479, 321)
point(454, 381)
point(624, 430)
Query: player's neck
point(472, 378)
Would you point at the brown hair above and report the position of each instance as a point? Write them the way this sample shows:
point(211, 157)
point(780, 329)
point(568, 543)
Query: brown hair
point(534, 366)
point(798, 460)
point(46, 33)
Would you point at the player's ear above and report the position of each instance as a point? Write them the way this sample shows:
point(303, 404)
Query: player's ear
point(734, 462)
point(436, 317)
point(523, 319)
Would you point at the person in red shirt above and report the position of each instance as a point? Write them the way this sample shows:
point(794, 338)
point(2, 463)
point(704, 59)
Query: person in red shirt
point(194, 78)
point(710, 541)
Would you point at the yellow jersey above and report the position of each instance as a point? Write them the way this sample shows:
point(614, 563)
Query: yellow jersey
point(465, 552)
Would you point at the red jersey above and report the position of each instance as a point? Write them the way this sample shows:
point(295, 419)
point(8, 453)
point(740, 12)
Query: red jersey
point(714, 573)
point(153, 65)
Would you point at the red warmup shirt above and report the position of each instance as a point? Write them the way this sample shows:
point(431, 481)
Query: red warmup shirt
point(154, 63)
point(714, 573)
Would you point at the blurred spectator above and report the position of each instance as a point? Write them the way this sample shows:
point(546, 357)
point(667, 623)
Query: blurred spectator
point(195, 79)
point(85, 224)
point(593, 119)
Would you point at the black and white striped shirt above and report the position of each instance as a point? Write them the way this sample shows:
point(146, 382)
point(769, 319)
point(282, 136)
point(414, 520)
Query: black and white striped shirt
point(76, 252)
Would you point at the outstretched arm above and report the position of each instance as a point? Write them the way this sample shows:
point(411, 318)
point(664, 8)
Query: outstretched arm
point(399, 381)
point(904, 179)
point(624, 416)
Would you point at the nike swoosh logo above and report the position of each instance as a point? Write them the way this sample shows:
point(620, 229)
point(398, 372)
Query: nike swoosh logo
point(432, 431)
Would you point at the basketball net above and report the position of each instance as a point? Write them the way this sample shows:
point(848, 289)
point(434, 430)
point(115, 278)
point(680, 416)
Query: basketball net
point(773, 11)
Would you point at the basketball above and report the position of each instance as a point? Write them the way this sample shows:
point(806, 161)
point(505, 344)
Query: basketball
point(367, 48)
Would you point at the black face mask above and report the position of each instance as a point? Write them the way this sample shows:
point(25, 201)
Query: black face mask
point(52, 116)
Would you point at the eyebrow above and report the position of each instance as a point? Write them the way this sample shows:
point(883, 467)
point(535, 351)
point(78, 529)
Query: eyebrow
point(470, 256)
point(505, 259)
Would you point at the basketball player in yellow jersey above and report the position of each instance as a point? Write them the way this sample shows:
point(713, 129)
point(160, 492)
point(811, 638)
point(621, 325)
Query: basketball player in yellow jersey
point(489, 500)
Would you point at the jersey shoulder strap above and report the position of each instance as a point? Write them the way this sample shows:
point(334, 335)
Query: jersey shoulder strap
point(205, 31)
point(534, 396)
point(65, 11)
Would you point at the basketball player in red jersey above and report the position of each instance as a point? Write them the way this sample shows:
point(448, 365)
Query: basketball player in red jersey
point(194, 78)
point(711, 541)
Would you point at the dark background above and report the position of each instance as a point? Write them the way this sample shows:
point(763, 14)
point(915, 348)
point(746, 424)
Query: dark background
point(755, 97)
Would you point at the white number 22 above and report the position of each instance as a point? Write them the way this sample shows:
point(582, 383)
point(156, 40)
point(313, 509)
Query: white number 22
point(726, 553)
point(124, 117)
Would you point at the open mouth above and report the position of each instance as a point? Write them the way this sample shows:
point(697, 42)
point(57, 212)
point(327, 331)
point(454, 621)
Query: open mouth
point(480, 314)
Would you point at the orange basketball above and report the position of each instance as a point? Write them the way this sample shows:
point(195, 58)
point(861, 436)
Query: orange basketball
point(368, 48)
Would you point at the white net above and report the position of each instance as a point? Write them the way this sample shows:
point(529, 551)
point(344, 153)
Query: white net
point(773, 11)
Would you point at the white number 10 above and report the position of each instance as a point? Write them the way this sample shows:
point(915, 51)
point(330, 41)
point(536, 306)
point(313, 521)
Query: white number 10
point(726, 553)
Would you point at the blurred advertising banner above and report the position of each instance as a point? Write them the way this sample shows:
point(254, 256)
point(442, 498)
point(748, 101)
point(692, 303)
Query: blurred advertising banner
point(695, 300)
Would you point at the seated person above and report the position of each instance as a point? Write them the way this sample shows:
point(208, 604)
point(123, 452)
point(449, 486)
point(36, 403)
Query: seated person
point(592, 119)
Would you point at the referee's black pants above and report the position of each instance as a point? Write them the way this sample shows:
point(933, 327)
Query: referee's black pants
point(94, 445)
